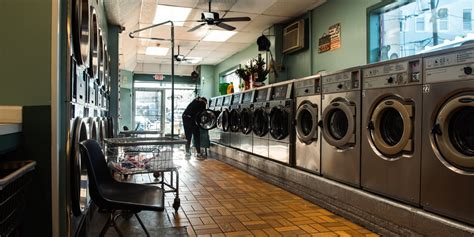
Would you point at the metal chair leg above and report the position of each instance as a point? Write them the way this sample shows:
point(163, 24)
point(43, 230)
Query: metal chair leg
point(111, 222)
point(141, 223)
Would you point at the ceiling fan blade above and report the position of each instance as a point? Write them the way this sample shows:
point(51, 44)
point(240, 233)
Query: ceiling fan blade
point(225, 26)
point(196, 27)
point(229, 19)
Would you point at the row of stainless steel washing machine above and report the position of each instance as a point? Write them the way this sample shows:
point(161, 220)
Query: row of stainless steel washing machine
point(408, 134)
point(257, 121)
point(402, 128)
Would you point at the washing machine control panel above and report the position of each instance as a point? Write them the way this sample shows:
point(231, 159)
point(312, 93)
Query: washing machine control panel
point(392, 74)
point(340, 82)
point(449, 66)
point(227, 100)
point(307, 87)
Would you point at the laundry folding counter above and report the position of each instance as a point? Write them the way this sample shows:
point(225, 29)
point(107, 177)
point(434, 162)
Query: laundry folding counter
point(139, 155)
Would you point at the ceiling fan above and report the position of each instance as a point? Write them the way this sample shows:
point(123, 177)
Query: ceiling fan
point(212, 18)
point(180, 57)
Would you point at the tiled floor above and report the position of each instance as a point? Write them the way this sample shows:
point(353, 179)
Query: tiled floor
point(220, 200)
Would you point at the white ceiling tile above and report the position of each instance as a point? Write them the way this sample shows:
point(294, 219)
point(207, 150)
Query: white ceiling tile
point(251, 6)
point(262, 22)
point(245, 37)
point(178, 3)
point(222, 5)
point(205, 45)
point(199, 53)
point(290, 8)
point(232, 47)
point(239, 25)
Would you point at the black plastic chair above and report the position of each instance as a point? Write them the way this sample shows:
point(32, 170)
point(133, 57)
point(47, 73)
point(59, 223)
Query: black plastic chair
point(111, 195)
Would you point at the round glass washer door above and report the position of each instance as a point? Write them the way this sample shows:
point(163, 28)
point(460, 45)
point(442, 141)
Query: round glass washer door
point(246, 120)
point(391, 127)
point(339, 124)
point(454, 131)
point(79, 181)
point(207, 119)
point(307, 122)
point(234, 120)
point(223, 120)
point(260, 122)
point(279, 122)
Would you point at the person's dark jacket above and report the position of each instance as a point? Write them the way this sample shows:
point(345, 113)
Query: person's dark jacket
point(194, 108)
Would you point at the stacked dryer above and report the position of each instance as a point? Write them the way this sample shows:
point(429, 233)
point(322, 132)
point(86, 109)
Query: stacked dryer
point(340, 124)
point(308, 112)
point(261, 121)
point(246, 121)
point(281, 140)
point(447, 185)
point(391, 129)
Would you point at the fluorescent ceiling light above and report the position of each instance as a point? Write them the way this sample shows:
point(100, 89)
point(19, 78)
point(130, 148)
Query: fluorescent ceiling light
point(218, 35)
point(193, 59)
point(156, 51)
point(170, 13)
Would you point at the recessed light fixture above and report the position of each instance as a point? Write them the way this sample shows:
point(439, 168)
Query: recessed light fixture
point(156, 51)
point(218, 35)
point(170, 13)
point(193, 59)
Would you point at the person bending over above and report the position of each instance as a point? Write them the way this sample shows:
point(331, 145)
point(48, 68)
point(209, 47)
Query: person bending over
point(191, 128)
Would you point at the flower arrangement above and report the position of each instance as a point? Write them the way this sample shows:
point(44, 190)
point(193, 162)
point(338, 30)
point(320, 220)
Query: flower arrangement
point(255, 71)
point(260, 69)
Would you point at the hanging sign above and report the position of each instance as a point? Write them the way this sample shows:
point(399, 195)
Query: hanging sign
point(159, 77)
point(330, 40)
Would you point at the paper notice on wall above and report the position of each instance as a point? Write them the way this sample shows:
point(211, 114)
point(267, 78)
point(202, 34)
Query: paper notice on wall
point(330, 40)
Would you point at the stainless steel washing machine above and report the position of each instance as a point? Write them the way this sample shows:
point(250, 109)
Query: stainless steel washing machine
point(308, 112)
point(391, 129)
point(234, 121)
point(214, 135)
point(447, 185)
point(340, 126)
point(246, 121)
point(261, 121)
point(223, 120)
point(281, 142)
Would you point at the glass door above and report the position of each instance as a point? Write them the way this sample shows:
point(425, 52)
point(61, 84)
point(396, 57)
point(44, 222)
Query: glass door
point(149, 110)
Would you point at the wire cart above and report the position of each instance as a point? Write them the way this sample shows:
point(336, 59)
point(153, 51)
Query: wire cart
point(14, 177)
point(138, 155)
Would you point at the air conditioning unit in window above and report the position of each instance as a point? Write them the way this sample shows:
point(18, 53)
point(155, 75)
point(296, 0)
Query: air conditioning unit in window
point(293, 37)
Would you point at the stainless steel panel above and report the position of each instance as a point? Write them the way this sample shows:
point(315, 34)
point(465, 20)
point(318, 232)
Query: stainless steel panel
point(443, 190)
point(246, 142)
point(260, 146)
point(308, 156)
point(235, 140)
point(279, 151)
point(337, 164)
point(398, 178)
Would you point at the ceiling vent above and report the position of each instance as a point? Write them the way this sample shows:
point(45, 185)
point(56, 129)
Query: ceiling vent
point(293, 37)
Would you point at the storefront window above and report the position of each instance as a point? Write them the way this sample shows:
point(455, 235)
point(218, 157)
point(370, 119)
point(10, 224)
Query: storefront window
point(406, 28)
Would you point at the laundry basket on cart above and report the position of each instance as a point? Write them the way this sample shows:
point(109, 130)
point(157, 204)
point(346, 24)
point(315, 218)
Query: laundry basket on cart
point(14, 178)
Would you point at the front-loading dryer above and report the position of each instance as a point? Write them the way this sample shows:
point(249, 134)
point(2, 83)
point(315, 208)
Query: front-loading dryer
point(223, 122)
point(307, 93)
point(391, 129)
point(207, 119)
point(246, 121)
point(234, 120)
point(340, 125)
point(261, 121)
point(281, 140)
point(447, 185)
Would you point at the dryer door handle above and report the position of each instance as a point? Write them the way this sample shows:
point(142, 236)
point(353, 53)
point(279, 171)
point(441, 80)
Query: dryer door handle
point(436, 130)
point(371, 126)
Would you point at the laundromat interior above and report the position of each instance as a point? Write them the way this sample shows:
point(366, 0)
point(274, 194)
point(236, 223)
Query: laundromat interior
point(237, 118)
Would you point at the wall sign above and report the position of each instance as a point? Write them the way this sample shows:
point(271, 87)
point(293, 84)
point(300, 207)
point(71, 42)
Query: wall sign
point(330, 40)
point(158, 77)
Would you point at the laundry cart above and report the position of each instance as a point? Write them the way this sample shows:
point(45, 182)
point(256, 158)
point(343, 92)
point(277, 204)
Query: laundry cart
point(136, 155)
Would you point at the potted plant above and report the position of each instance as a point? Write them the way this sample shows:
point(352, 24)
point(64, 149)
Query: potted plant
point(261, 72)
point(244, 74)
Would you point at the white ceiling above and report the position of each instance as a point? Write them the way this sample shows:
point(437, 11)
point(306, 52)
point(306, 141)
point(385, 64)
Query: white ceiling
point(136, 14)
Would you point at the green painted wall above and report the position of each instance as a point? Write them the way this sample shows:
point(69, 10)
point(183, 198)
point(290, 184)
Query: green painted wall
point(239, 58)
point(25, 44)
point(207, 81)
point(167, 78)
point(353, 18)
point(126, 92)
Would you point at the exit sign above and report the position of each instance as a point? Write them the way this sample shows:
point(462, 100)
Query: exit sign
point(159, 77)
